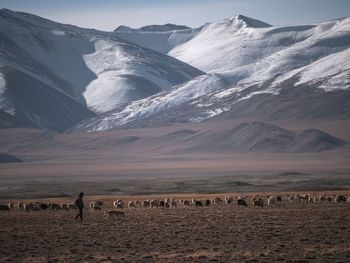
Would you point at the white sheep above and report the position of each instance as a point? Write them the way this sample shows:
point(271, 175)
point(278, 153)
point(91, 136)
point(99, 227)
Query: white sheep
point(118, 204)
point(97, 203)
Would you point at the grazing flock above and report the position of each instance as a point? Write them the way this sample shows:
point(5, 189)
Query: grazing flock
point(240, 201)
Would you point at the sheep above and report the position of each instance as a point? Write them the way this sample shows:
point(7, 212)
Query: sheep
point(54, 206)
point(329, 199)
point(72, 206)
point(118, 204)
point(20, 206)
point(348, 199)
point(270, 200)
point(258, 202)
point(291, 198)
point(253, 198)
point(154, 203)
point(64, 207)
point(194, 201)
point(146, 204)
point(29, 207)
point(173, 204)
point(162, 203)
point(322, 198)
point(99, 203)
point(241, 202)
point(312, 199)
point(11, 206)
point(131, 204)
point(198, 203)
point(112, 214)
point(138, 203)
point(217, 200)
point(4, 208)
point(43, 206)
point(181, 201)
point(305, 198)
point(340, 199)
point(228, 200)
point(279, 198)
point(186, 203)
point(207, 202)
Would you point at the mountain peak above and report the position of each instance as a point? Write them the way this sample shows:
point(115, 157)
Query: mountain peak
point(248, 22)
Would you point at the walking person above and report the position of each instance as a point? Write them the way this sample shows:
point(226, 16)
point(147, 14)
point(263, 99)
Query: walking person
point(80, 205)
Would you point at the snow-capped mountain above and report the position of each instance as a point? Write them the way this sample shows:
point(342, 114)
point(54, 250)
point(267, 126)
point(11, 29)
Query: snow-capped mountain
point(161, 38)
point(85, 66)
point(254, 70)
point(257, 71)
point(251, 52)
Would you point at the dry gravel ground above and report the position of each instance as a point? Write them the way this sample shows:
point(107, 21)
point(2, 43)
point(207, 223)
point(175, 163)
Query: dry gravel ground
point(288, 232)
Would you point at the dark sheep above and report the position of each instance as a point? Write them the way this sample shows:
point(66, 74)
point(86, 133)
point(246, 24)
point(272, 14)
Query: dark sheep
point(207, 202)
point(241, 202)
point(198, 203)
point(279, 198)
point(55, 207)
point(258, 202)
point(43, 206)
point(340, 198)
point(4, 208)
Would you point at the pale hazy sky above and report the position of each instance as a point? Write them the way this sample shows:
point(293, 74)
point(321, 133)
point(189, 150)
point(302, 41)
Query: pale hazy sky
point(109, 14)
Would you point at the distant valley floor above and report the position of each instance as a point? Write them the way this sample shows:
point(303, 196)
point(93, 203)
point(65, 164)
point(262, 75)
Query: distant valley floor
point(160, 160)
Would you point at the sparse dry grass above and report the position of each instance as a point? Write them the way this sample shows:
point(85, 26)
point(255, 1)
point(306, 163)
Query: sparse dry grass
point(285, 233)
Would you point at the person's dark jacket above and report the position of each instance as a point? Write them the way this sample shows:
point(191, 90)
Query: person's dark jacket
point(79, 203)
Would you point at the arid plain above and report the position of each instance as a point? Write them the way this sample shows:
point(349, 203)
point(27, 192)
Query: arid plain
point(284, 232)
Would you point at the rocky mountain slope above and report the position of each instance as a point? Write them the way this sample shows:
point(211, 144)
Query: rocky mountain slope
point(96, 71)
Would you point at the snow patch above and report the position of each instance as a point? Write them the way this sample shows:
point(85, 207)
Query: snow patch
point(5, 104)
point(58, 33)
point(335, 69)
point(2, 84)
